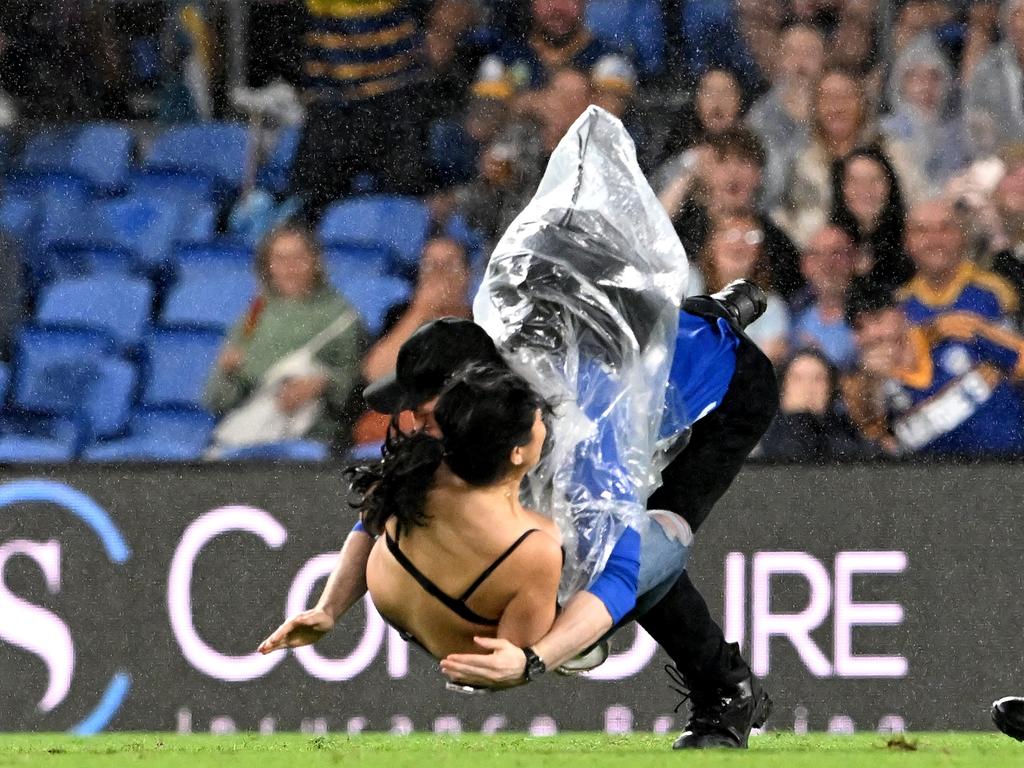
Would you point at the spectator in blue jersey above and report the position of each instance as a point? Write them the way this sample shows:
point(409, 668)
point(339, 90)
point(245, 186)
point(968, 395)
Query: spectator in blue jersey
point(946, 281)
point(810, 424)
point(364, 74)
point(819, 310)
point(558, 38)
point(947, 386)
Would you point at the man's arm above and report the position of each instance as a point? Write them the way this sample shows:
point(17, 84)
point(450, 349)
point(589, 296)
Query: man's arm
point(346, 584)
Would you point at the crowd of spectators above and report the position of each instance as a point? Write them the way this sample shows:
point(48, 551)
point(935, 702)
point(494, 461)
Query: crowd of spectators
point(860, 160)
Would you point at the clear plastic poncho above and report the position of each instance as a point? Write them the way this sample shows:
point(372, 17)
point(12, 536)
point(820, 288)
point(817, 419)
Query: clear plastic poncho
point(582, 296)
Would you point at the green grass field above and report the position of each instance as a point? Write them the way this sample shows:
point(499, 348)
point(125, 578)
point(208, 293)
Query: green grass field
point(990, 750)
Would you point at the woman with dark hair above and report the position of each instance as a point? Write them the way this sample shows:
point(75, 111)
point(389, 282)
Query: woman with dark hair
point(842, 119)
point(294, 306)
point(717, 107)
point(809, 425)
point(867, 203)
point(458, 556)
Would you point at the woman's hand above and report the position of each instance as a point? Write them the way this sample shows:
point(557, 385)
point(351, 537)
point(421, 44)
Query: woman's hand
point(302, 629)
point(503, 667)
point(231, 358)
point(295, 393)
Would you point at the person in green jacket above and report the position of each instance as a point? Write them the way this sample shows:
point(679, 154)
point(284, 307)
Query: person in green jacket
point(295, 304)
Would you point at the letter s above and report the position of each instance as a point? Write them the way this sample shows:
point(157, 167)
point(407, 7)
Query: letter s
point(35, 629)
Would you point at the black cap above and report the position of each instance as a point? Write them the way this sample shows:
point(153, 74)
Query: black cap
point(426, 360)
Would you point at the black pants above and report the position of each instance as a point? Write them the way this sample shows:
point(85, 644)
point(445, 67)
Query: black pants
point(383, 136)
point(692, 484)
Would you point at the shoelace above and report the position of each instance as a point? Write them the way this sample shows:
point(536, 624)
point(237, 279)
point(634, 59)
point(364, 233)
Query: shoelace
point(678, 685)
point(703, 710)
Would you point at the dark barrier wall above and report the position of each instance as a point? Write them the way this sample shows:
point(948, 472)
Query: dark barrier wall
point(868, 596)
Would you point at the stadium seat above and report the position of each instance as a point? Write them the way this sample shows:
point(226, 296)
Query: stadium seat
point(99, 153)
point(634, 26)
point(158, 434)
point(374, 296)
point(276, 170)
point(178, 363)
point(62, 205)
point(290, 450)
point(198, 259)
point(119, 306)
point(18, 217)
point(366, 451)
point(171, 185)
point(356, 263)
point(65, 260)
point(37, 439)
point(398, 223)
point(215, 150)
point(216, 300)
point(68, 373)
point(149, 226)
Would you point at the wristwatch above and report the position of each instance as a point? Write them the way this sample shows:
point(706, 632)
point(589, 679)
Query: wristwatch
point(535, 665)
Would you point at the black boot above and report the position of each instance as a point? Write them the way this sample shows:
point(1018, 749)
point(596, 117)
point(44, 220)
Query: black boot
point(1008, 715)
point(722, 714)
point(740, 302)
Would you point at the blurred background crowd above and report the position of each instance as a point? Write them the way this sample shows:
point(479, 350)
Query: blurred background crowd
point(195, 192)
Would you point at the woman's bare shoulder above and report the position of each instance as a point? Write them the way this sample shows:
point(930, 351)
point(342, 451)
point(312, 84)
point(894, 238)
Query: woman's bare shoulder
point(546, 524)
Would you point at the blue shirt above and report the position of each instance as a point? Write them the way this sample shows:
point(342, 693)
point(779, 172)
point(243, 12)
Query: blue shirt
point(834, 339)
point(957, 398)
point(702, 369)
point(972, 290)
point(528, 71)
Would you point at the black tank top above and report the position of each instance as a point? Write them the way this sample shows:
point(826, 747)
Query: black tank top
point(455, 604)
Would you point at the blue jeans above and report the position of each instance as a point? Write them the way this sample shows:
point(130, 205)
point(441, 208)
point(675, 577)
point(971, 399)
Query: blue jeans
point(664, 549)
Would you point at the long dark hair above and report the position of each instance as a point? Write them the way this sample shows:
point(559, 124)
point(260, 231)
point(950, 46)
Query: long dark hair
point(483, 412)
point(892, 267)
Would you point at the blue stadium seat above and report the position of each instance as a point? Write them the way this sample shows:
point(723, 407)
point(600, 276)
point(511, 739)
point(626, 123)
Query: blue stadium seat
point(62, 205)
point(18, 217)
point(68, 373)
point(102, 155)
point(277, 169)
point(158, 434)
point(37, 439)
point(149, 226)
point(216, 150)
point(290, 450)
point(214, 300)
point(398, 223)
point(634, 26)
point(119, 306)
point(374, 296)
point(98, 153)
point(171, 185)
point(366, 451)
point(66, 260)
point(357, 263)
point(193, 260)
point(178, 363)
point(49, 151)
